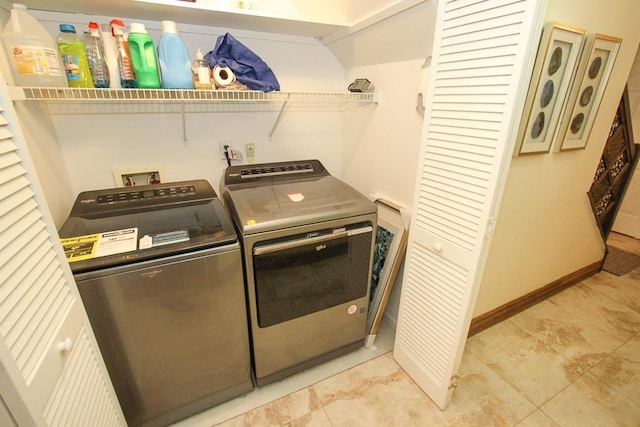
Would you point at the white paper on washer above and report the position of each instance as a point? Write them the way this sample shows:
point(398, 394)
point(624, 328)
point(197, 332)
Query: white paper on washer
point(296, 197)
point(117, 242)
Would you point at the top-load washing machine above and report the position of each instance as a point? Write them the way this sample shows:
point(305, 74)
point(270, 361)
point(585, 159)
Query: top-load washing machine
point(307, 241)
point(159, 270)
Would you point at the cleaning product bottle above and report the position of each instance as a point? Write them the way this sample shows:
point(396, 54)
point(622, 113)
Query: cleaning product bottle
point(173, 58)
point(110, 55)
point(74, 57)
point(127, 75)
point(201, 72)
point(95, 56)
point(32, 51)
point(143, 57)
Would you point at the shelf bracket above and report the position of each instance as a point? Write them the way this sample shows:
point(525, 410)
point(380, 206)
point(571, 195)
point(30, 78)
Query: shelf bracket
point(184, 121)
point(280, 116)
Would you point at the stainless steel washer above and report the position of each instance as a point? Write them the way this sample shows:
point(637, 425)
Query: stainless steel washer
point(307, 241)
point(159, 270)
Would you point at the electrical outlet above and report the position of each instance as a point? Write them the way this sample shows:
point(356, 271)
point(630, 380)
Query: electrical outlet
point(222, 145)
point(235, 155)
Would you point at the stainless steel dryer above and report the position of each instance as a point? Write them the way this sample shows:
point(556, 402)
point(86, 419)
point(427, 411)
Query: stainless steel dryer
point(307, 240)
point(159, 270)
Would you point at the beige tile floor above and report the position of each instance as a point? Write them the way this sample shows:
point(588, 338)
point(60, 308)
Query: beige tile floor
point(572, 360)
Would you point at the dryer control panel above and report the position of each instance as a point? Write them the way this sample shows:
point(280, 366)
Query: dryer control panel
point(269, 172)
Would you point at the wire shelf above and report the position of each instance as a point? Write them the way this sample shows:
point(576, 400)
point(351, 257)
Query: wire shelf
point(188, 100)
point(186, 95)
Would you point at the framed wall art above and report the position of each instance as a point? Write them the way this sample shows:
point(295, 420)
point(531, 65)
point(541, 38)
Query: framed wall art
point(586, 94)
point(555, 66)
point(391, 245)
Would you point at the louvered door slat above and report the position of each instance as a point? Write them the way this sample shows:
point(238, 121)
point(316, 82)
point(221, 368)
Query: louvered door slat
point(490, 12)
point(9, 173)
point(18, 289)
point(6, 145)
point(44, 325)
point(485, 120)
point(494, 35)
point(18, 236)
point(478, 61)
point(8, 159)
point(458, 8)
point(471, 83)
point(455, 182)
point(31, 308)
point(474, 74)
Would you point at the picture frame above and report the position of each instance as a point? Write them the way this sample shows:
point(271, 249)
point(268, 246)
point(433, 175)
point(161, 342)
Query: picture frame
point(391, 244)
point(593, 73)
point(555, 66)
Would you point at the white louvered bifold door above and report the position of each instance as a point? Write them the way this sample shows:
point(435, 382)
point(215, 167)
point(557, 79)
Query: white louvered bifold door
point(52, 372)
point(481, 59)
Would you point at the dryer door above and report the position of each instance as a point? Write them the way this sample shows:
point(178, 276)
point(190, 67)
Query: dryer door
point(309, 273)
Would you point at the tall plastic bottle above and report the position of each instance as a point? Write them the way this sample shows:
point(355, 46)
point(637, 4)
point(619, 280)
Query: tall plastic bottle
point(110, 55)
point(173, 58)
point(74, 57)
point(95, 56)
point(127, 75)
point(143, 57)
point(32, 51)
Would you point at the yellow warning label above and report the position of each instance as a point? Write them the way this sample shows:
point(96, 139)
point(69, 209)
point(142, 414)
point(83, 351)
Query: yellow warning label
point(251, 222)
point(101, 244)
point(79, 248)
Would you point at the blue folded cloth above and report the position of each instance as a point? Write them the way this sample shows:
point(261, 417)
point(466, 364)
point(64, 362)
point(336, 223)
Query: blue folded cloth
point(249, 68)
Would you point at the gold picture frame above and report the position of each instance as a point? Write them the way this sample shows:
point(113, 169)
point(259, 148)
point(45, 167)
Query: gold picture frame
point(555, 65)
point(595, 67)
point(391, 244)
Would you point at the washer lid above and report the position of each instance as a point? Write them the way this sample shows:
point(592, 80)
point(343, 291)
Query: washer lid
point(291, 202)
point(112, 234)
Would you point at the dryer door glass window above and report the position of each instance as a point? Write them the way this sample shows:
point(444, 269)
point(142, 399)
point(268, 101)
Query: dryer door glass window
point(306, 274)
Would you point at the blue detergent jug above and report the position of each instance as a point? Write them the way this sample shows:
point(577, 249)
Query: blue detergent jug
point(173, 58)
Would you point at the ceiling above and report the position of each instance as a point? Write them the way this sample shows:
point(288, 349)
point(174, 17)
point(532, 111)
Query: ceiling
point(294, 17)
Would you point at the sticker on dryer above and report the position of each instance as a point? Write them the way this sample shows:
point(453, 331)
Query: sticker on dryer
point(101, 244)
point(352, 309)
point(296, 197)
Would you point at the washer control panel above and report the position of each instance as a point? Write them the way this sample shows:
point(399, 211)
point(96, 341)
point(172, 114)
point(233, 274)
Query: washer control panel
point(160, 193)
point(120, 201)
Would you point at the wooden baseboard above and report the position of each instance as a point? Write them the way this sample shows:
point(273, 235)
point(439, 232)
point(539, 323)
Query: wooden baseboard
point(509, 309)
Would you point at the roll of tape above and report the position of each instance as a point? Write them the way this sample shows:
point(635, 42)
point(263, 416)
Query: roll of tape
point(223, 76)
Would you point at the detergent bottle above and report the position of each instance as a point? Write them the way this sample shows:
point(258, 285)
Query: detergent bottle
point(143, 57)
point(173, 58)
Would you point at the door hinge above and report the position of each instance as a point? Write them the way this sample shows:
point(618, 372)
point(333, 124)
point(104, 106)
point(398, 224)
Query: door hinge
point(453, 382)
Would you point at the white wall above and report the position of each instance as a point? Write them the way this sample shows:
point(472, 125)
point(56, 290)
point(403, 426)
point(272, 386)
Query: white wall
point(545, 228)
point(381, 150)
point(381, 145)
